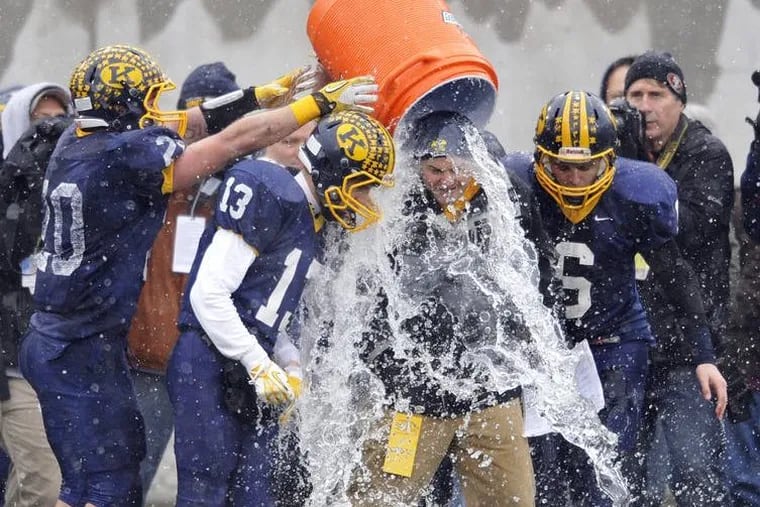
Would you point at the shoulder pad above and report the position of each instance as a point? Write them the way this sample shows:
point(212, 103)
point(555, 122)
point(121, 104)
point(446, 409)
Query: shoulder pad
point(643, 182)
point(270, 177)
point(520, 164)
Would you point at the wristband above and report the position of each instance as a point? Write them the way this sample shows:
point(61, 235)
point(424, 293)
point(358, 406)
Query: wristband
point(306, 109)
point(222, 111)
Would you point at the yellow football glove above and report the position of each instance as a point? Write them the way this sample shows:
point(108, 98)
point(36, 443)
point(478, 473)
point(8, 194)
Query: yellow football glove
point(271, 383)
point(280, 91)
point(354, 93)
point(296, 385)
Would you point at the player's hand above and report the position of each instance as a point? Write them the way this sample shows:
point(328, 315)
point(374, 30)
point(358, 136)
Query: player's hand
point(280, 91)
point(713, 385)
point(308, 81)
point(355, 93)
point(295, 381)
point(321, 76)
point(271, 383)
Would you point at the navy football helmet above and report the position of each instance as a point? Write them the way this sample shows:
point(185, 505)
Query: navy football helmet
point(119, 87)
point(575, 127)
point(349, 151)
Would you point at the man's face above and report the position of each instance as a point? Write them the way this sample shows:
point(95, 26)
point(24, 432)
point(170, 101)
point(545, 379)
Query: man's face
point(446, 178)
point(661, 109)
point(47, 107)
point(575, 175)
point(616, 84)
point(285, 151)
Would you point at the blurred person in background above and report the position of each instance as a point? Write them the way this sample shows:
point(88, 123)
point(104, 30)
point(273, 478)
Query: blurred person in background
point(682, 424)
point(33, 120)
point(743, 428)
point(613, 79)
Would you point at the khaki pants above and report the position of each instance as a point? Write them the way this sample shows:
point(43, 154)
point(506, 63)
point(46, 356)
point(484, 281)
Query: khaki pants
point(487, 449)
point(34, 478)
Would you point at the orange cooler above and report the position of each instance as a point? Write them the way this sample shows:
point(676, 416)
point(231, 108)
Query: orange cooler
point(420, 56)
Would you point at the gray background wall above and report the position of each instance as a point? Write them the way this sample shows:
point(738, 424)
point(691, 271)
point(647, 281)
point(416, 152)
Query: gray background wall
point(539, 47)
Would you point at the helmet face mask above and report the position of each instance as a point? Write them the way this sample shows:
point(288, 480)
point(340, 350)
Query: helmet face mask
point(175, 120)
point(350, 204)
point(347, 154)
point(575, 131)
point(118, 87)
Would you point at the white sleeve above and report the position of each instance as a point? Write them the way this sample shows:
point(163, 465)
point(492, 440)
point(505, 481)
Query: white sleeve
point(222, 270)
point(286, 355)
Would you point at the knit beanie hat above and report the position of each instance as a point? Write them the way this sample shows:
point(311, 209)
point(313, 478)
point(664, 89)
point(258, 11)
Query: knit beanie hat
point(661, 67)
point(206, 81)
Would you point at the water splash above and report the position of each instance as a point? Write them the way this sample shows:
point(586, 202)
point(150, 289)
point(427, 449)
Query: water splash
point(344, 399)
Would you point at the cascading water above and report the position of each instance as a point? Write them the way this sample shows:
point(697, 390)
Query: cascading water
point(344, 399)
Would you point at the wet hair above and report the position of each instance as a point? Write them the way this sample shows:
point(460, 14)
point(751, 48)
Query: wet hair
point(625, 61)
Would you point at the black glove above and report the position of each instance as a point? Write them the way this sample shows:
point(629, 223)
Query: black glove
point(24, 169)
point(5, 392)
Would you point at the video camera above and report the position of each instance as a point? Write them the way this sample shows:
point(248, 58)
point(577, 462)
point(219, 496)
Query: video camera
point(630, 129)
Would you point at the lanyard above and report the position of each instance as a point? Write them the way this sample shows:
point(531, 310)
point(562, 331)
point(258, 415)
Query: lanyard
point(667, 154)
point(455, 209)
point(314, 207)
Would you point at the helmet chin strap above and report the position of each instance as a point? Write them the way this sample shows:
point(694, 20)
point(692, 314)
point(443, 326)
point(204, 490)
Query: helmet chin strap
point(307, 186)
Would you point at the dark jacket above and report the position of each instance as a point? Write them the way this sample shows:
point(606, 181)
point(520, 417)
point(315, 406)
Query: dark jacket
point(703, 172)
point(21, 179)
point(744, 349)
point(452, 315)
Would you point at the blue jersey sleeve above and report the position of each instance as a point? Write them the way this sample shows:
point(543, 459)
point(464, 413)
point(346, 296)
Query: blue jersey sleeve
point(652, 199)
point(148, 154)
point(521, 165)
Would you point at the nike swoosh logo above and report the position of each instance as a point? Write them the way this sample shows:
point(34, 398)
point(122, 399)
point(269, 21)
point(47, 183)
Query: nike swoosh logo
point(601, 219)
point(334, 86)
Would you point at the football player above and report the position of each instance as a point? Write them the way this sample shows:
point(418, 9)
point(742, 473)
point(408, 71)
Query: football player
point(105, 195)
point(600, 211)
point(234, 371)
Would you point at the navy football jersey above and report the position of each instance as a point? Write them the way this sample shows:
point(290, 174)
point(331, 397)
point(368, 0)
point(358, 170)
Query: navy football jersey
point(637, 213)
point(104, 199)
point(263, 203)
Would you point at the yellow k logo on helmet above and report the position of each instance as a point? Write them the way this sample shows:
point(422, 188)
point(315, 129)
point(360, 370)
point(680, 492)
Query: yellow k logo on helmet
point(349, 151)
point(353, 142)
point(118, 87)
